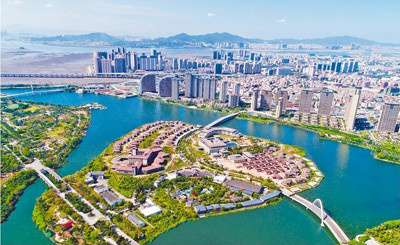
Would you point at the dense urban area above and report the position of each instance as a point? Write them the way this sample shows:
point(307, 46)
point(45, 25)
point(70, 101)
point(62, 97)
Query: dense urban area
point(164, 173)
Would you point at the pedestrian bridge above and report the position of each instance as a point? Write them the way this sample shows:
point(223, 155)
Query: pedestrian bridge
point(339, 234)
point(222, 120)
point(40, 168)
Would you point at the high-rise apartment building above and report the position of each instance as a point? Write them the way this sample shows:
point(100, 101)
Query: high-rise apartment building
point(351, 109)
point(284, 95)
point(236, 92)
point(266, 100)
point(254, 100)
point(222, 91)
point(218, 68)
point(165, 87)
point(388, 118)
point(209, 89)
point(306, 98)
point(190, 88)
point(232, 101)
point(325, 103)
point(279, 107)
point(175, 89)
point(148, 83)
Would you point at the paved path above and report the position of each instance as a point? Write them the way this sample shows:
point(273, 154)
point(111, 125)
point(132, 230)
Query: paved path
point(39, 168)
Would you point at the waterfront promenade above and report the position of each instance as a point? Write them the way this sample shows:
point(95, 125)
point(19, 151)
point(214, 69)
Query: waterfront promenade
point(339, 234)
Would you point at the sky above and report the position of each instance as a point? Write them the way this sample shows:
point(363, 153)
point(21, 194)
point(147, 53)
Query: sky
point(265, 19)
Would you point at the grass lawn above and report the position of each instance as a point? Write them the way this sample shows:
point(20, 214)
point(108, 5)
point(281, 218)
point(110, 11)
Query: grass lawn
point(57, 130)
point(32, 108)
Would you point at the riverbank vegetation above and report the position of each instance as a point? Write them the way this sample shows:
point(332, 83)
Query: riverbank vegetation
point(32, 130)
point(385, 150)
point(385, 233)
point(12, 189)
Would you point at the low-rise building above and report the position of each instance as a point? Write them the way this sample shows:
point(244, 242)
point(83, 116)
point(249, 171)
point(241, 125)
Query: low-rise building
point(110, 198)
point(135, 220)
point(243, 186)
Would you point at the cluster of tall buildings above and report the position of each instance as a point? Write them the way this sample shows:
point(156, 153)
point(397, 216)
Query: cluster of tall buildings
point(121, 61)
point(262, 100)
point(200, 87)
point(188, 64)
point(167, 86)
point(339, 66)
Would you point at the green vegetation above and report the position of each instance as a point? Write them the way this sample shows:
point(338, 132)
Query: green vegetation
point(128, 185)
point(49, 207)
point(147, 142)
point(36, 130)
point(9, 163)
point(105, 228)
point(388, 151)
point(294, 149)
point(78, 203)
point(168, 150)
point(385, 233)
point(127, 226)
point(259, 119)
point(12, 189)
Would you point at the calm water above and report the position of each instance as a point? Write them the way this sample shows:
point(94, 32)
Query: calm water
point(358, 191)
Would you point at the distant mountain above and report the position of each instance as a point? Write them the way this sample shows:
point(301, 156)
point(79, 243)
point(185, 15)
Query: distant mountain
point(184, 39)
point(207, 38)
point(85, 38)
point(342, 40)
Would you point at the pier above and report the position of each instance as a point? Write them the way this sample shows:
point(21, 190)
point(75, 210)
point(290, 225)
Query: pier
point(335, 229)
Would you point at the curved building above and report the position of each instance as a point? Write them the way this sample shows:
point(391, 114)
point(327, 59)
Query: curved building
point(148, 83)
point(165, 86)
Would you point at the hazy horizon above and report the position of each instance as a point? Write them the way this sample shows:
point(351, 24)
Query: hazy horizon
point(267, 20)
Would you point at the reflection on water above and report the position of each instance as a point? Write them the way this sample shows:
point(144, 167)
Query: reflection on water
point(342, 156)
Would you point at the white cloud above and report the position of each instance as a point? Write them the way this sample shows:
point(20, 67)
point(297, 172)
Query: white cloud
point(48, 5)
point(211, 14)
point(281, 21)
point(15, 2)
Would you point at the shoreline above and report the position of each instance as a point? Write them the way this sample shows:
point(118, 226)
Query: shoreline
point(273, 120)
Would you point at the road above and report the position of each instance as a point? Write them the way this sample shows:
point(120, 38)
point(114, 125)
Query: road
point(39, 168)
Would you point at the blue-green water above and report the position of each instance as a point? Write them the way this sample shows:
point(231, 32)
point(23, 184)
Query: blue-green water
point(358, 191)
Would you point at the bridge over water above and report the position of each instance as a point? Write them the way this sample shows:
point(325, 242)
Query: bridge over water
point(33, 92)
point(96, 214)
point(222, 120)
point(52, 75)
point(339, 234)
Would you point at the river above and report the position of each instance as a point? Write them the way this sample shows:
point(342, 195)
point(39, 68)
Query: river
point(358, 190)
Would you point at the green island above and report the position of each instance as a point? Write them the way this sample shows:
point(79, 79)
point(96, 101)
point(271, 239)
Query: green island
point(383, 149)
point(31, 130)
point(165, 173)
point(385, 233)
